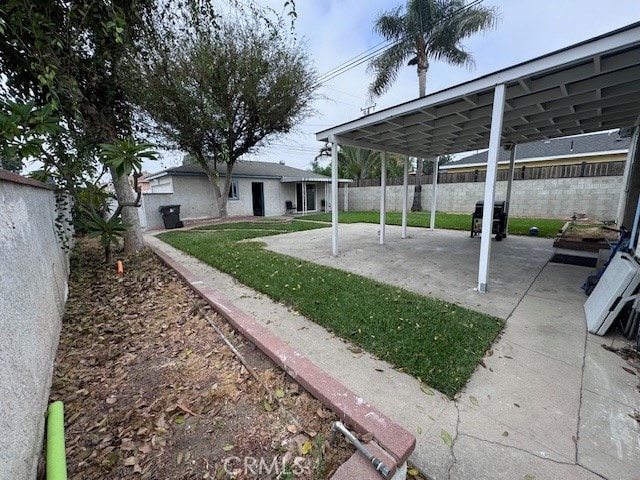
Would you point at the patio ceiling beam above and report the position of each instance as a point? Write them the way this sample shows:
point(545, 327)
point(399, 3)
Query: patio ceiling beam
point(597, 64)
point(382, 127)
point(604, 80)
point(377, 147)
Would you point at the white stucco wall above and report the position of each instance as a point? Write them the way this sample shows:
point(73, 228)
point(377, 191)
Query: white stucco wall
point(597, 197)
point(33, 291)
point(195, 196)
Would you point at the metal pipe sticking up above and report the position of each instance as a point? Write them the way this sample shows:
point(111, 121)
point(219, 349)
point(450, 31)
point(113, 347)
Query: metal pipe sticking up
point(380, 467)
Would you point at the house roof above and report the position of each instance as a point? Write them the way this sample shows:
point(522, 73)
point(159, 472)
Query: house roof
point(249, 169)
point(588, 87)
point(556, 148)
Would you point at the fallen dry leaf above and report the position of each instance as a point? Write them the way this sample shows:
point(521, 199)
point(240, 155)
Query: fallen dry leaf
point(446, 438)
point(146, 379)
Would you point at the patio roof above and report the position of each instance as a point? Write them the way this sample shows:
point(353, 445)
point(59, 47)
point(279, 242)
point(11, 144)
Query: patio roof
point(588, 87)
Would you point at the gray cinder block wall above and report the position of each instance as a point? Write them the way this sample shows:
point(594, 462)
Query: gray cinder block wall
point(597, 197)
point(33, 291)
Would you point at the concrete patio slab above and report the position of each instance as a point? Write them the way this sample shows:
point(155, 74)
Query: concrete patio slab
point(432, 455)
point(516, 388)
point(609, 438)
point(570, 392)
point(604, 376)
point(481, 460)
point(551, 328)
point(440, 263)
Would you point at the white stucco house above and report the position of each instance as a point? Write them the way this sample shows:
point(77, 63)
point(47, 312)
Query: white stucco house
point(262, 189)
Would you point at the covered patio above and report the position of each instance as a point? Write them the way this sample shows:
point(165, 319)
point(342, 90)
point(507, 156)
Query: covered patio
point(588, 87)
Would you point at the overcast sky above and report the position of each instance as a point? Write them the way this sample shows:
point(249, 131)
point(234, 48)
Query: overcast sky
point(336, 31)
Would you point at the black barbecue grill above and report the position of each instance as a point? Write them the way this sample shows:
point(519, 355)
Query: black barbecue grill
point(499, 224)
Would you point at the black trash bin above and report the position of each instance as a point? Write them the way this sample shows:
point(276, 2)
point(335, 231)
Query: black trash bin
point(171, 216)
point(499, 226)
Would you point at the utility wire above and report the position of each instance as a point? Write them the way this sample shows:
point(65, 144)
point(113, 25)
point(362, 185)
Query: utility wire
point(378, 50)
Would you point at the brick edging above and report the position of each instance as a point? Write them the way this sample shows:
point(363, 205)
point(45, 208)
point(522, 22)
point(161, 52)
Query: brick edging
point(349, 407)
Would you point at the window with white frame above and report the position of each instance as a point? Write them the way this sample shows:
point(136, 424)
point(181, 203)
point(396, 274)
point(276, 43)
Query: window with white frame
point(234, 193)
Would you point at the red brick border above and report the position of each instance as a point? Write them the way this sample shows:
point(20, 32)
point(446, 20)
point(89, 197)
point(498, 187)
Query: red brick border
point(349, 407)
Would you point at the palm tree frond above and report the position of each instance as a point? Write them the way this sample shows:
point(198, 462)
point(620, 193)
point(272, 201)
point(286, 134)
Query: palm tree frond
point(428, 28)
point(390, 24)
point(460, 23)
point(385, 67)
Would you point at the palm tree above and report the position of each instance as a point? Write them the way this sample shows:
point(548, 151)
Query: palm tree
point(353, 162)
point(426, 30)
point(358, 161)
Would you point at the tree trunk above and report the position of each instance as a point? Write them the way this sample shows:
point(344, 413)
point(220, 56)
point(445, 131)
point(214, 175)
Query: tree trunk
point(133, 240)
point(221, 193)
point(214, 181)
point(423, 66)
point(222, 201)
point(417, 192)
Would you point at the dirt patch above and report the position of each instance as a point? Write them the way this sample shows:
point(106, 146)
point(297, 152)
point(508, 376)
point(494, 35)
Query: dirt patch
point(589, 237)
point(579, 231)
point(151, 391)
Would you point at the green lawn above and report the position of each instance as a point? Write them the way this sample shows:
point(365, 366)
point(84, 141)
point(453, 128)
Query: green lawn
point(436, 341)
point(452, 221)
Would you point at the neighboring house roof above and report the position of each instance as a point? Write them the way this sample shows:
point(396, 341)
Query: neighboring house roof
point(556, 148)
point(250, 169)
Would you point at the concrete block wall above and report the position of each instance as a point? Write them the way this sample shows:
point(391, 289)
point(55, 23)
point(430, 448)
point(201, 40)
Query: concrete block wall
point(33, 288)
point(597, 197)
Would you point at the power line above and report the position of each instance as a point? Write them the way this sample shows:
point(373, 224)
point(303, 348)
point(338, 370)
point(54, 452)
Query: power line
point(378, 50)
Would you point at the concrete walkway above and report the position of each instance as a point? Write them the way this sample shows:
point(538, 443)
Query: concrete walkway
point(550, 403)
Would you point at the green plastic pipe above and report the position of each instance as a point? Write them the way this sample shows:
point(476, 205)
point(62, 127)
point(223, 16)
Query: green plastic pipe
point(56, 457)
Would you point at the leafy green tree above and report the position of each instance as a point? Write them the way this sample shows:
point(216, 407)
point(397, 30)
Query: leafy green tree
point(316, 168)
point(221, 94)
point(73, 56)
point(421, 31)
point(23, 131)
point(395, 167)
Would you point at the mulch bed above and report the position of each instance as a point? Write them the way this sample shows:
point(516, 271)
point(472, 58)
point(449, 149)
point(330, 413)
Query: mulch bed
point(151, 391)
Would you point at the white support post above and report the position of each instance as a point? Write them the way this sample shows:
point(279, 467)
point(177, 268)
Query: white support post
point(346, 197)
point(434, 196)
point(304, 198)
point(626, 177)
point(405, 196)
point(334, 196)
point(490, 186)
point(512, 163)
point(383, 195)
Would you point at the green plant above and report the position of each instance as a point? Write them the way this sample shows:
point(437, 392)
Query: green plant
point(126, 156)
point(109, 230)
point(24, 129)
